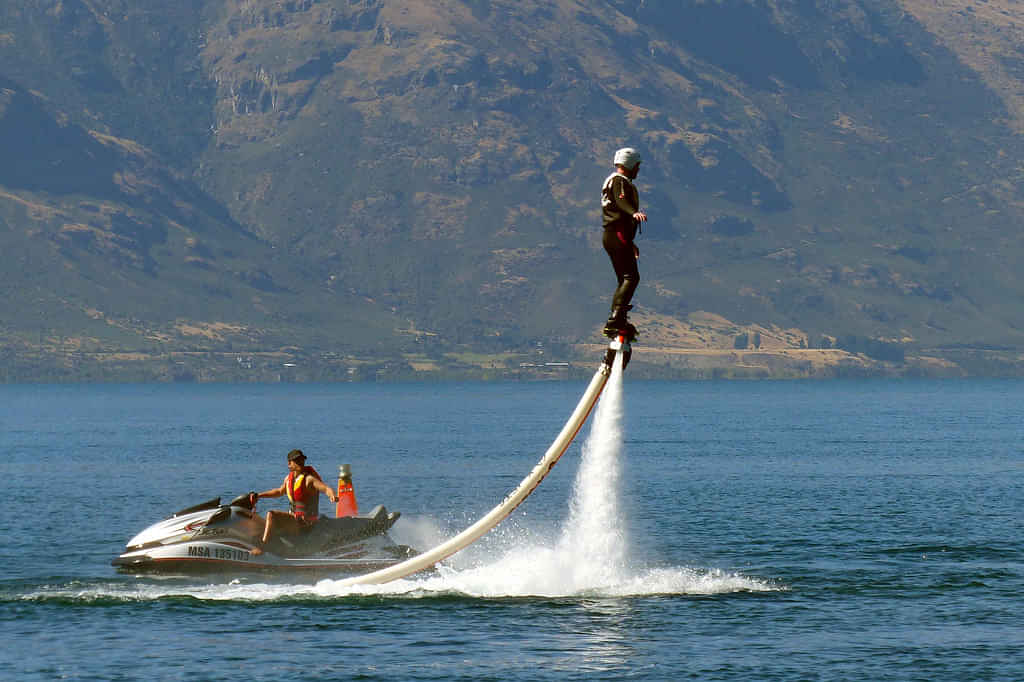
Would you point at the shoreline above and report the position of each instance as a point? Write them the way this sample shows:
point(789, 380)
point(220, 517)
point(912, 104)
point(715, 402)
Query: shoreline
point(295, 365)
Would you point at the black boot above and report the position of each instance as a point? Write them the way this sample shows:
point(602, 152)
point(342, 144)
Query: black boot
point(617, 324)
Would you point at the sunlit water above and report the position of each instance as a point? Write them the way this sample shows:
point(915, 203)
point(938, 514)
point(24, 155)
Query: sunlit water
point(862, 530)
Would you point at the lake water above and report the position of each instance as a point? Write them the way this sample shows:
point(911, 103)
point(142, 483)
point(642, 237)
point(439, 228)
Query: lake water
point(839, 530)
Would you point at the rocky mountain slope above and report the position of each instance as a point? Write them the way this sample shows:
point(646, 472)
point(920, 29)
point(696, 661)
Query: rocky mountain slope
point(367, 179)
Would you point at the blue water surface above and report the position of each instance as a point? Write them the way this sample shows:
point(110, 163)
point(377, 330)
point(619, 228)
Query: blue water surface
point(847, 530)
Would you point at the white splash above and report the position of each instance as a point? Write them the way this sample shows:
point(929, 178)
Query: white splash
point(593, 544)
point(590, 558)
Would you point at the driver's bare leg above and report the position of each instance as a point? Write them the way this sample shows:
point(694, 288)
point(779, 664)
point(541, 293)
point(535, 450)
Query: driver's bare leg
point(287, 523)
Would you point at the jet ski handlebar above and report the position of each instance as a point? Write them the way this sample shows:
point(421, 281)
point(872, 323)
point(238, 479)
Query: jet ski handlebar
point(246, 501)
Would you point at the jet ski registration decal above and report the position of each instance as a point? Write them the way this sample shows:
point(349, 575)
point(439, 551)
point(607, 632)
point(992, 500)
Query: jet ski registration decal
point(218, 553)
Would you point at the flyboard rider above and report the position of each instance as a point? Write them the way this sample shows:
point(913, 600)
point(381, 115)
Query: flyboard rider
point(303, 486)
point(622, 217)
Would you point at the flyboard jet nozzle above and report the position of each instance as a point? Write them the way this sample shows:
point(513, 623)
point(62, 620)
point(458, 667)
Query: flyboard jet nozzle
point(617, 344)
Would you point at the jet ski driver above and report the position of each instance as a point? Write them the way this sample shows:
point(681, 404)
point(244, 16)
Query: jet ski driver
point(303, 486)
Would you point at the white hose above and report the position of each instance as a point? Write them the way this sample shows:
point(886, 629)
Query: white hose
point(511, 501)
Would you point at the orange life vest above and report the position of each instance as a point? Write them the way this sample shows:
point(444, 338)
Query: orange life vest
point(305, 502)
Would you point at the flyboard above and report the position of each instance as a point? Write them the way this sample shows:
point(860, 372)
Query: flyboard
point(513, 499)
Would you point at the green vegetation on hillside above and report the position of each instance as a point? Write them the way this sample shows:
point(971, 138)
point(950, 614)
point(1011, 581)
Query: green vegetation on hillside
point(416, 184)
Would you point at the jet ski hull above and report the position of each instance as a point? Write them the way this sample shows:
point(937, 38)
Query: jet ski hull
point(214, 538)
point(216, 557)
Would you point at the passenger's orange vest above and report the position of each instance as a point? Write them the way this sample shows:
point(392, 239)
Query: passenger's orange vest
point(305, 502)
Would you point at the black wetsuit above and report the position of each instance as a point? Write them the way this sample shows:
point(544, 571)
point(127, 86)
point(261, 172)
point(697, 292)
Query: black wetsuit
point(619, 201)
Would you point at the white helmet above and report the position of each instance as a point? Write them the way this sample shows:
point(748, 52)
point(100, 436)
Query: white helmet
point(627, 157)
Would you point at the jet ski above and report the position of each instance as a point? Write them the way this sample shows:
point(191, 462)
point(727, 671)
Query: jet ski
point(211, 537)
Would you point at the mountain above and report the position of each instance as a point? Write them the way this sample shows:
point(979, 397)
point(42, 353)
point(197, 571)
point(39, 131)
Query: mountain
point(352, 188)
